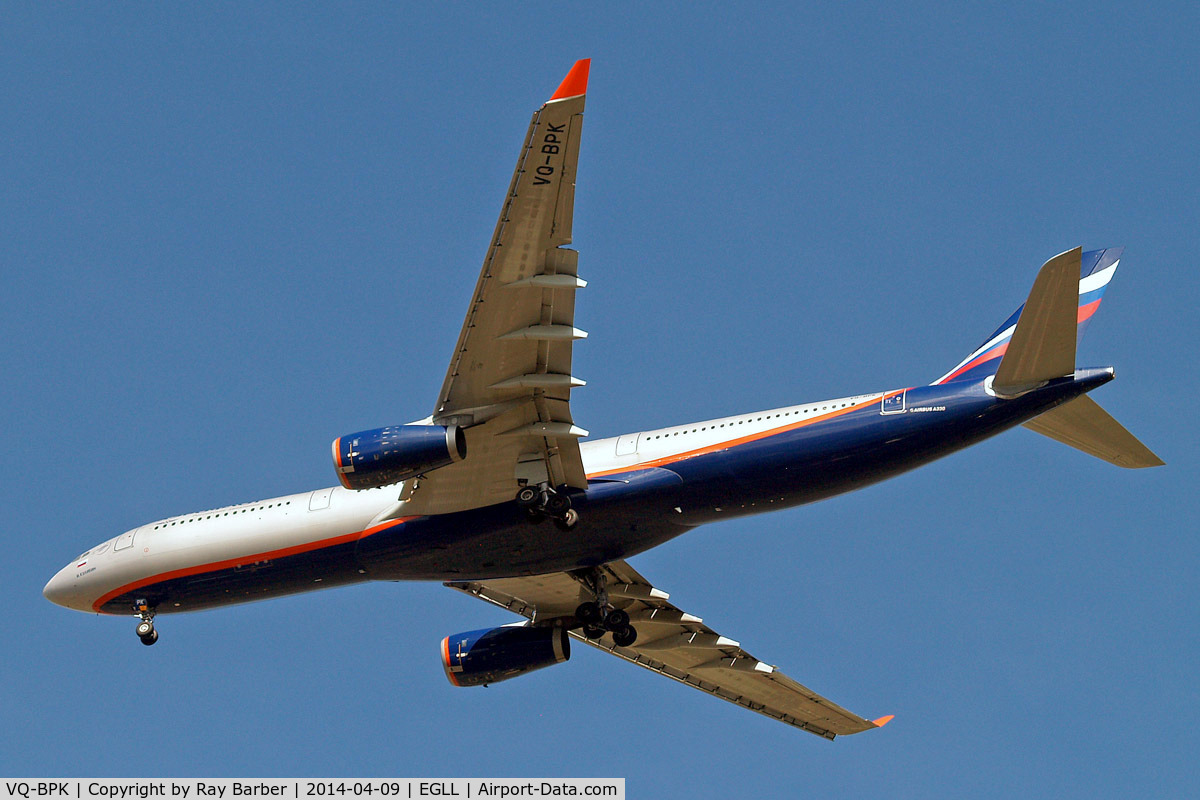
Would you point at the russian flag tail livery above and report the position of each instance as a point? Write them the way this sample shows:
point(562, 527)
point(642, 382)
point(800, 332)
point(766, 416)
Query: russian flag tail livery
point(1096, 269)
point(1037, 345)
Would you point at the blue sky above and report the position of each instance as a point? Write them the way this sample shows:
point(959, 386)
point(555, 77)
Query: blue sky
point(230, 234)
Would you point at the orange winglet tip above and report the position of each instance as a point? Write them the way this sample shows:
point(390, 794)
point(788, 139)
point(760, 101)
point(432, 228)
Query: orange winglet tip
point(575, 83)
point(879, 723)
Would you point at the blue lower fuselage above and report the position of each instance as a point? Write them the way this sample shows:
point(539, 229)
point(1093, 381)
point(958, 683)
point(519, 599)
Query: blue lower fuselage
point(628, 512)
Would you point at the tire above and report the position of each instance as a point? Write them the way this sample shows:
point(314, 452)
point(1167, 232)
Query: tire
point(568, 521)
point(557, 505)
point(150, 638)
point(625, 637)
point(144, 629)
point(527, 497)
point(593, 632)
point(589, 614)
point(616, 620)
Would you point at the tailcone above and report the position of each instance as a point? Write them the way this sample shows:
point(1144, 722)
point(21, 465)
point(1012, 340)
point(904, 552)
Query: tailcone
point(1092, 377)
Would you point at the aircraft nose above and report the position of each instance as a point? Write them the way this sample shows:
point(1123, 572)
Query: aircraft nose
point(60, 589)
point(55, 590)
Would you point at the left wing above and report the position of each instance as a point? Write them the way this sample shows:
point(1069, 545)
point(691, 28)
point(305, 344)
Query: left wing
point(672, 643)
point(509, 381)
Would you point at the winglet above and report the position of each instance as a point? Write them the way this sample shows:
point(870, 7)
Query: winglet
point(879, 723)
point(575, 83)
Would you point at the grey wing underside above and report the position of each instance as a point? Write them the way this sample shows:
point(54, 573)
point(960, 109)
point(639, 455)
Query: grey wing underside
point(509, 381)
point(673, 643)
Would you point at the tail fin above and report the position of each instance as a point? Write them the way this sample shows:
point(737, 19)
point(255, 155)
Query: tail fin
point(1096, 270)
point(1037, 344)
point(1042, 347)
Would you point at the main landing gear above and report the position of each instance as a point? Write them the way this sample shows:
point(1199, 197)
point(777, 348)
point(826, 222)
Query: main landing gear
point(599, 617)
point(543, 501)
point(145, 628)
point(598, 620)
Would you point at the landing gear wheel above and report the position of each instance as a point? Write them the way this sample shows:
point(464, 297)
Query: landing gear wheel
point(145, 628)
point(557, 505)
point(624, 637)
point(593, 631)
point(527, 497)
point(589, 614)
point(534, 515)
point(616, 620)
point(568, 521)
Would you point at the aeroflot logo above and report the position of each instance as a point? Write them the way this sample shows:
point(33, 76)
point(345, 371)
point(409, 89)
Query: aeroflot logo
point(893, 404)
point(897, 404)
point(550, 147)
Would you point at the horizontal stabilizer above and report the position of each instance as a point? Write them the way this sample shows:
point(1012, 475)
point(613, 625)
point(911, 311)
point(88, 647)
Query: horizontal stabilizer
point(1043, 345)
point(1084, 425)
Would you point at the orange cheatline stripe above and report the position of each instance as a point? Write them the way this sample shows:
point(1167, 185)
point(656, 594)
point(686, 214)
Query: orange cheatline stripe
point(753, 437)
point(337, 459)
point(576, 81)
point(446, 661)
point(249, 559)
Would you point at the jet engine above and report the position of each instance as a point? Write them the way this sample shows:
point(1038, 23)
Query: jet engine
point(487, 656)
point(383, 456)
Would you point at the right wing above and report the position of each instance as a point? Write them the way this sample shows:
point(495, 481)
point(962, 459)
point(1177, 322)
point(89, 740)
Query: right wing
point(673, 643)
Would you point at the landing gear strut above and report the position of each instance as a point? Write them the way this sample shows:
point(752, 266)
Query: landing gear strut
point(599, 617)
point(543, 501)
point(145, 628)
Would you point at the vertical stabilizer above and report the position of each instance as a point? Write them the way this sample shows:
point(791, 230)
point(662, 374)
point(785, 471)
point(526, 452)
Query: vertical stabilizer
point(1043, 345)
point(1096, 270)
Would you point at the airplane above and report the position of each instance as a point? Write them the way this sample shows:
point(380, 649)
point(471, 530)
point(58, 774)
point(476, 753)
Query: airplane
point(499, 495)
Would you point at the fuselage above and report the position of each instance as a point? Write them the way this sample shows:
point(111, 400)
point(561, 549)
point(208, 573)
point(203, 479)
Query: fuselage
point(643, 489)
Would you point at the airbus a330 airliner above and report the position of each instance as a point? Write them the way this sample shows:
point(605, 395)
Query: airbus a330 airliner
point(496, 495)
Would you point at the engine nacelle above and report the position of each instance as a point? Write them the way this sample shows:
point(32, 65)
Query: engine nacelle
point(370, 459)
point(481, 657)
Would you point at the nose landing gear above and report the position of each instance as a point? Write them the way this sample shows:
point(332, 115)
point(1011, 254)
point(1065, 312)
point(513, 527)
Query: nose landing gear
point(145, 629)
